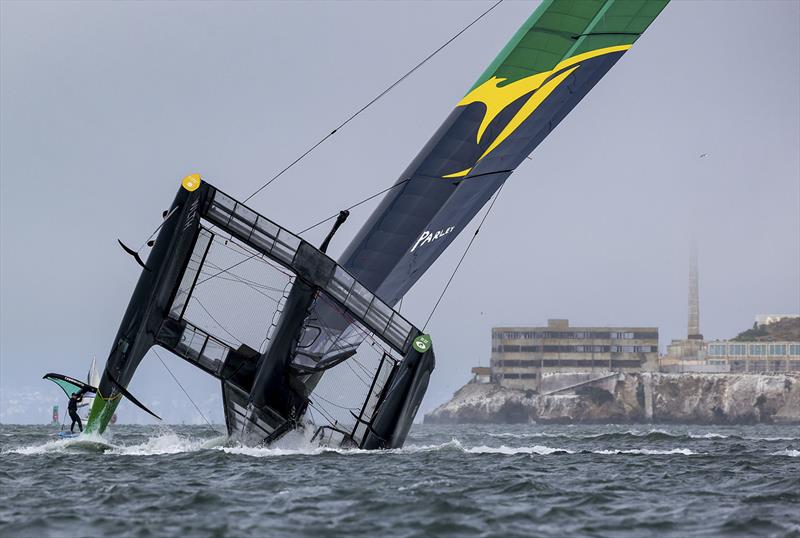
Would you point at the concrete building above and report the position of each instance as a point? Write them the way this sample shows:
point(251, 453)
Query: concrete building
point(754, 357)
point(522, 356)
point(688, 365)
point(481, 374)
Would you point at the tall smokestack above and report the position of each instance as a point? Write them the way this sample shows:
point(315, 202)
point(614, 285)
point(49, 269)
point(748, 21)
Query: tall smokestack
point(694, 299)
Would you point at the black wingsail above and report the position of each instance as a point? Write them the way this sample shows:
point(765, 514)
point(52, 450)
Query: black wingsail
point(550, 64)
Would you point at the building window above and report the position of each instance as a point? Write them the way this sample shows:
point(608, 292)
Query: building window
point(646, 336)
point(794, 349)
point(622, 336)
point(737, 349)
point(625, 363)
point(758, 349)
point(777, 350)
point(513, 364)
point(716, 350)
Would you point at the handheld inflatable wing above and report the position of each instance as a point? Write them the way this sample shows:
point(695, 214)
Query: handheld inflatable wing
point(70, 385)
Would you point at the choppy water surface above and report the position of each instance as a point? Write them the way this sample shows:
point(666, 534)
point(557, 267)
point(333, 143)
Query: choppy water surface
point(447, 481)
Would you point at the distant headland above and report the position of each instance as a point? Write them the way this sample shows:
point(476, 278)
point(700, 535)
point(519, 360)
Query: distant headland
point(564, 374)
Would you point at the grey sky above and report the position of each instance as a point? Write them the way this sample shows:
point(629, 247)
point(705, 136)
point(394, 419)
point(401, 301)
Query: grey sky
point(105, 107)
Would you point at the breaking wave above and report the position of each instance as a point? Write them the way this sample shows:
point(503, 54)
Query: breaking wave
point(452, 445)
point(300, 444)
point(647, 451)
point(165, 443)
point(788, 452)
point(649, 435)
point(85, 443)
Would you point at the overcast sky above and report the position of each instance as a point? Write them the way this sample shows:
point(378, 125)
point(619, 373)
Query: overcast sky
point(106, 106)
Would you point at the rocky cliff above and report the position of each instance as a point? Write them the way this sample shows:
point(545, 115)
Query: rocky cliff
point(629, 398)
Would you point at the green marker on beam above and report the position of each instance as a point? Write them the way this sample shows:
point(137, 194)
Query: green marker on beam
point(422, 343)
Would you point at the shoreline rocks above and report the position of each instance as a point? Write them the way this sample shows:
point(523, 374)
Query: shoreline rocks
point(634, 398)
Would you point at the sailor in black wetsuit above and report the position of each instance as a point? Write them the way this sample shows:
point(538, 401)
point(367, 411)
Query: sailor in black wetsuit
point(72, 407)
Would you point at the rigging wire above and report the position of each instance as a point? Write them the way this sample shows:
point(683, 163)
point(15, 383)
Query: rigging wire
point(350, 118)
point(221, 326)
point(350, 366)
point(373, 101)
point(240, 262)
point(256, 287)
point(242, 280)
point(319, 396)
point(186, 393)
point(464, 255)
point(322, 411)
point(364, 369)
point(365, 200)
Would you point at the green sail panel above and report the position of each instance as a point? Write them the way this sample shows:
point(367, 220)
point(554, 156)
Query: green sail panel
point(560, 29)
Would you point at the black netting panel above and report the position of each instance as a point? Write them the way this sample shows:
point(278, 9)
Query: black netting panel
point(352, 387)
point(238, 294)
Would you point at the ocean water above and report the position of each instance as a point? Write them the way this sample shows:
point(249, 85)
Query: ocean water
point(534, 480)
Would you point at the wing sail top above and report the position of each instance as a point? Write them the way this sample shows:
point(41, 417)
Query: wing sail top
point(557, 56)
point(69, 385)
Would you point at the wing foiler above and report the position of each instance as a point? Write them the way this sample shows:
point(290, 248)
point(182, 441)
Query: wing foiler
point(70, 386)
point(300, 340)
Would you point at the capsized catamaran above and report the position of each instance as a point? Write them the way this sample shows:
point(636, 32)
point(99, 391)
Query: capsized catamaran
point(295, 336)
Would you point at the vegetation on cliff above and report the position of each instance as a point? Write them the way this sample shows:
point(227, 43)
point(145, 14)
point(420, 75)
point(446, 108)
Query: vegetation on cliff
point(781, 331)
